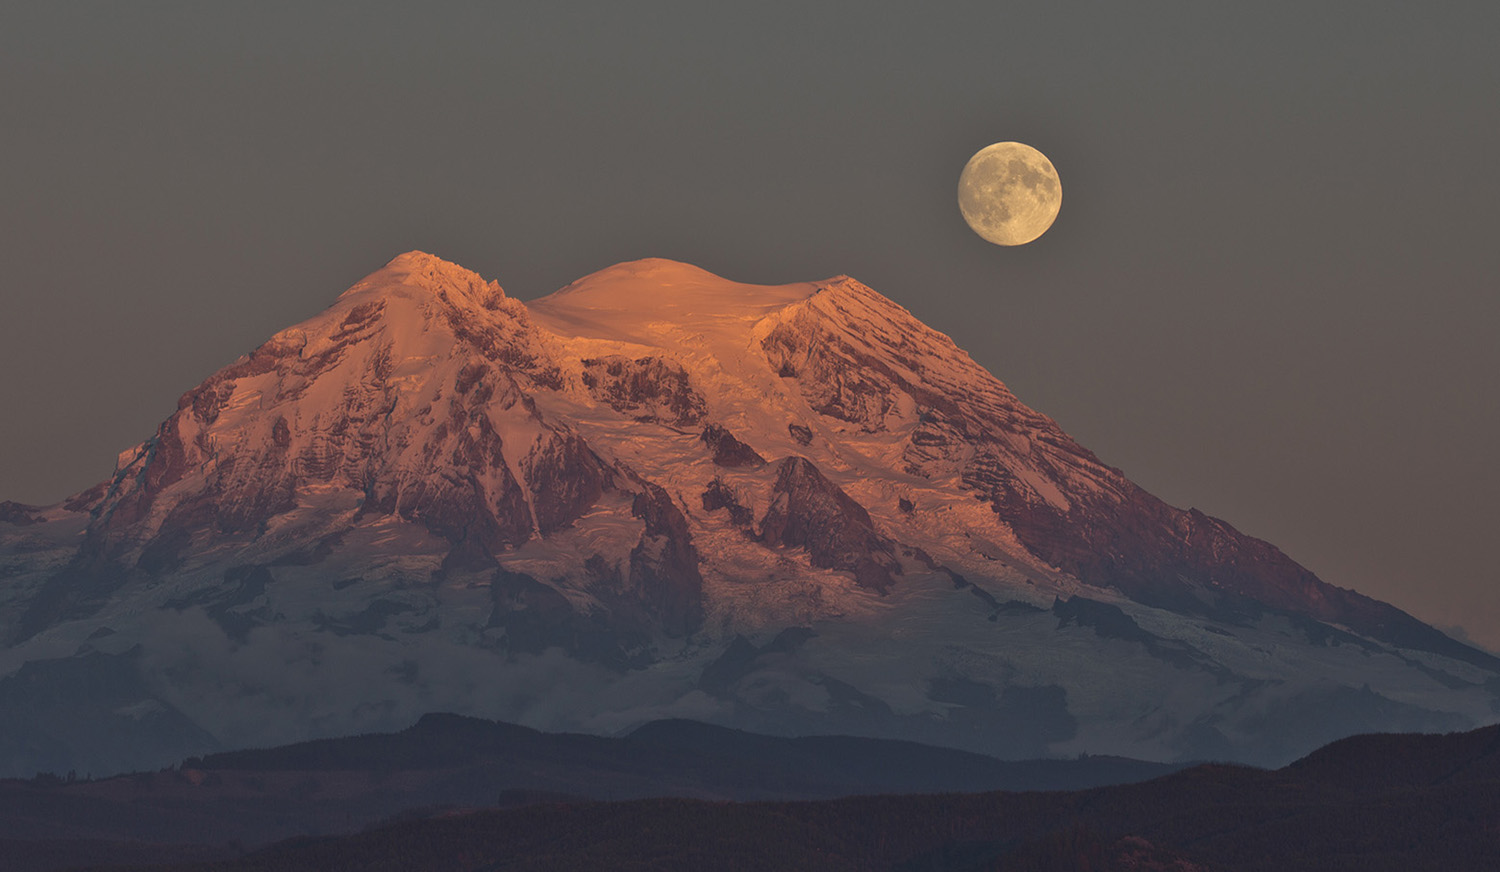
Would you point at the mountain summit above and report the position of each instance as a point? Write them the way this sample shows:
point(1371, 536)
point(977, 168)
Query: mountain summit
point(658, 493)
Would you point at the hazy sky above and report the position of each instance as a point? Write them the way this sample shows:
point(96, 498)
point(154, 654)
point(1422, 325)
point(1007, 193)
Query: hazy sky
point(1271, 292)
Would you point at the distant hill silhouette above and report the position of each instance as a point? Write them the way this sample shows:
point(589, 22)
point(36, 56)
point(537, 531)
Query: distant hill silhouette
point(447, 762)
point(1371, 803)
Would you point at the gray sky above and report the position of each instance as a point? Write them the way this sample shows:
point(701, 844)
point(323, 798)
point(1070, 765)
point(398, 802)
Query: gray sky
point(1270, 294)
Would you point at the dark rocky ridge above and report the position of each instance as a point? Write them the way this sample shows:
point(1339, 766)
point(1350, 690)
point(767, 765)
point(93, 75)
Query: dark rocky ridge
point(809, 511)
point(719, 495)
point(728, 451)
point(647, 389)
point(18, 514)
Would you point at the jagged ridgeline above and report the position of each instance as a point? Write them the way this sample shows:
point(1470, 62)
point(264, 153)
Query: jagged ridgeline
point(658, 493)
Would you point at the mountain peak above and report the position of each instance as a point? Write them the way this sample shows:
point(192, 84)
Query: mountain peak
point(636, 301)
point(656, 269)
point(428, 275)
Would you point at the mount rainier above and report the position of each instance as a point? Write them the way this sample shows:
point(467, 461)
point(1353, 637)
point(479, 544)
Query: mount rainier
point(658, 493)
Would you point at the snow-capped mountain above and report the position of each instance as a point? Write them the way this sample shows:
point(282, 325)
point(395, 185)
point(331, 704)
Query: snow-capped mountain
point(660, 493)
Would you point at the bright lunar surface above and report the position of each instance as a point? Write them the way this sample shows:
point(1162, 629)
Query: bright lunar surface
point(1009, 193)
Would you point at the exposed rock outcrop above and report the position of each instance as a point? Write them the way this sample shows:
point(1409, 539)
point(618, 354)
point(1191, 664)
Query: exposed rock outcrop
point(647, 389)
point(728, 451)
point(809, 511)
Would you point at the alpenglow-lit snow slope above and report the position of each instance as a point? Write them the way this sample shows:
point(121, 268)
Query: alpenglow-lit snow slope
point(658, 493)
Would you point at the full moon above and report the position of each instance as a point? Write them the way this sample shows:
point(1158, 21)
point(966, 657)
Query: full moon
point(1009, 193)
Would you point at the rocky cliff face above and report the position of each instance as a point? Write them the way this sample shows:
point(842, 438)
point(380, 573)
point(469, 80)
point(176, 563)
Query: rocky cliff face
point(808, 511)
point(659, 493)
